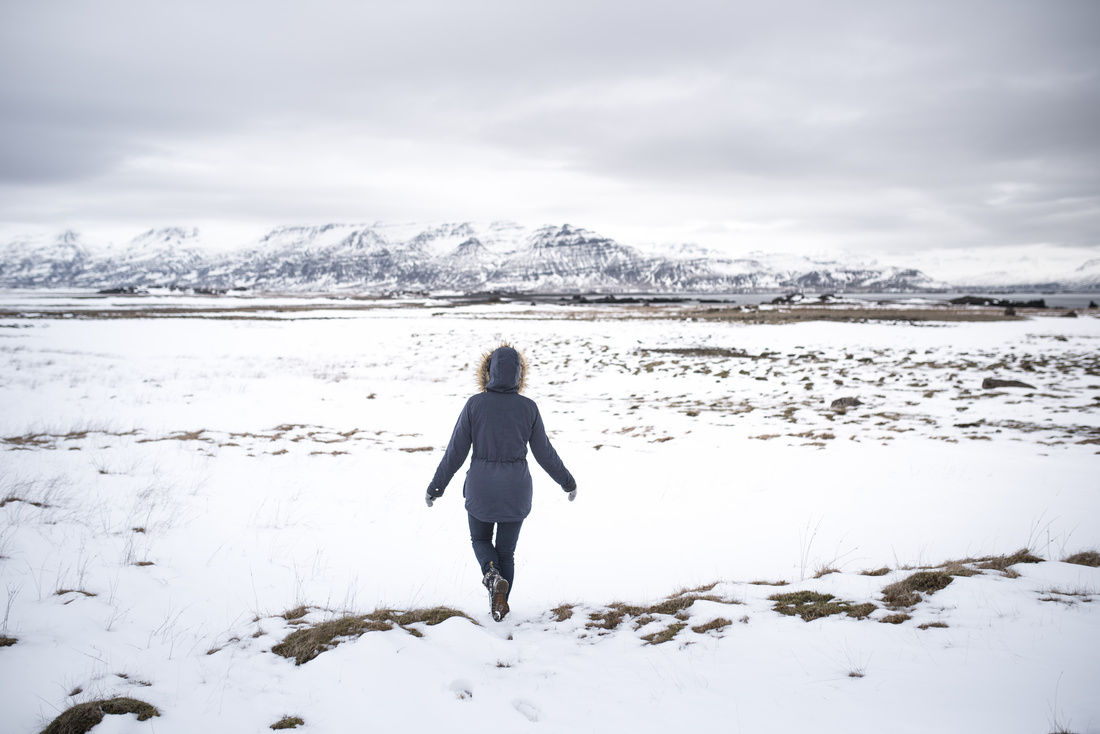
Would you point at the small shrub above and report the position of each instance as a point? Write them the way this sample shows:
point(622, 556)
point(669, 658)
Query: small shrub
point(907, 592)
point(1084, 558)
point(288, 722)
point(82, 717)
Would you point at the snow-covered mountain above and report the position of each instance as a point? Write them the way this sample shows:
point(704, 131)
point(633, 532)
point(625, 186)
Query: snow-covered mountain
point(499, 256)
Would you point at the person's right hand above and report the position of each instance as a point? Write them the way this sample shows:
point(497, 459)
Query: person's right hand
point(573, 494)
point(428, 499)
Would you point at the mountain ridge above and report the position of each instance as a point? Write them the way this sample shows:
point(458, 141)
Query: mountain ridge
point(465, 256)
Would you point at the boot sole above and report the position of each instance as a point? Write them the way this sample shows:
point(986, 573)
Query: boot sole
point(500, 600)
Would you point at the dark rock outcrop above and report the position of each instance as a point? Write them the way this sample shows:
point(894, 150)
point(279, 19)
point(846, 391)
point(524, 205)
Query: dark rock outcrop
point(991, 383)
point(844, 403)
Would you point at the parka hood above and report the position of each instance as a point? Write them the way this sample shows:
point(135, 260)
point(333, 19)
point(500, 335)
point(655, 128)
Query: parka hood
point(503, 369)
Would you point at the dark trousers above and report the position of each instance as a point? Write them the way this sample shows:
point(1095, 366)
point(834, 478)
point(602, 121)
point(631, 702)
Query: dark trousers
point(502, 553)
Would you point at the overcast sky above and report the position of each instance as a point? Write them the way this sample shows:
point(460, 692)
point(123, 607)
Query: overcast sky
point(798, 125)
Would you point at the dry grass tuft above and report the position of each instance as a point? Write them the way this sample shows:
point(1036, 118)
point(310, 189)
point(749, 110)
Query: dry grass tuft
point(715, 624)
point(82, 717)
point(769, 583)
point(930, 625)
point(665, 635)
point(825, 571)
point(1084, 558)
point(12, 498)
point(811, 605)
point(6, 641)
point(674, 606)
point(306, 643)
point(1000, 563)
point(288, 722)
point(296, 613)
point(562, 612)
point(907, 592)
point(876, 572)
point(895, 618)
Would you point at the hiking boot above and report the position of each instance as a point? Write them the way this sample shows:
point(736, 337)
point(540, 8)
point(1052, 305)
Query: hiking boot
point(498, 593)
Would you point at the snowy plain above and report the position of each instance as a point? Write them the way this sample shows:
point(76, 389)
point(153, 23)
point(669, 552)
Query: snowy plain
point(173, 486)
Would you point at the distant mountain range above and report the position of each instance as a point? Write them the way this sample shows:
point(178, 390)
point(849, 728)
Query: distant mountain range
point(466, 257)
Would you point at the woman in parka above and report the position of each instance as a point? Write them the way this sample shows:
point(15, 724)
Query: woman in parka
point(499, 423)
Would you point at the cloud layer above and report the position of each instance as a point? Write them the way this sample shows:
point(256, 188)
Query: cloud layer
point(795, 124)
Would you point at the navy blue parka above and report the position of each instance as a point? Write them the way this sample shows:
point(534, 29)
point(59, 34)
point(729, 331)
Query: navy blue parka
point(499, 424)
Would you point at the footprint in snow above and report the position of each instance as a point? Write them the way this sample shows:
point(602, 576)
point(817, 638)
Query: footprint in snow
point(462, 688)
point(528, 709)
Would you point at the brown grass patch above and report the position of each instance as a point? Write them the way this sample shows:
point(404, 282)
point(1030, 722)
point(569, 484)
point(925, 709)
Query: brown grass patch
point(908, 591)
point(895, 618)
point(296, 613)
point(715, 624)
point(82, 717)
point(6, 641)
point(288, 722)
point(876, 572)
point(811, 605)
point(32, 503)
point(665, 635)
point(306, 643)
point(1000, 563)
point(1084, 558)
point(932, 625)
point(562, 612)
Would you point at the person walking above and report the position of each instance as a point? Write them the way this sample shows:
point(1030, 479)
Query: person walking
point(499, 423)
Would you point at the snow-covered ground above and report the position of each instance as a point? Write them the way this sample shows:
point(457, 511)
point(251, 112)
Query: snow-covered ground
point(172, 486)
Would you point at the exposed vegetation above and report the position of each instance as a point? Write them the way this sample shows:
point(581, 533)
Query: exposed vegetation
point(307, 642)
point(811, 605)
point(82, 717)
point(6, 641)
point(562, 612)
point(1084, 558)
point(288, 722)
point(908, 591)
point(675, 605)
point(715, 624)
point(664, 635)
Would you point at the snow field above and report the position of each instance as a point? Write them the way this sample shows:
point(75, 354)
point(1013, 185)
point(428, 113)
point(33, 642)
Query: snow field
point(262, 464)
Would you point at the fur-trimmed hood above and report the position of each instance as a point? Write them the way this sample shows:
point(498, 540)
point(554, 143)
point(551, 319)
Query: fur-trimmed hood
point(502, 369)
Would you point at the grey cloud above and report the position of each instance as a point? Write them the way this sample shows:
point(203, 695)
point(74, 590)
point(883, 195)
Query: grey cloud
point(949, 100)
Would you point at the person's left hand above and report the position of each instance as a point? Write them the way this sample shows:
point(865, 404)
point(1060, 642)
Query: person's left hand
point(429, 499)
point(573, 494)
